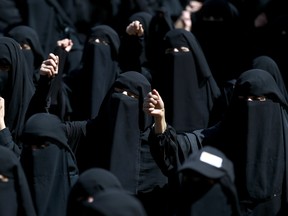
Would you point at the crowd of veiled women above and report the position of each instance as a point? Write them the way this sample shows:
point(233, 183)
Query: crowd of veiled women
point(165, 107)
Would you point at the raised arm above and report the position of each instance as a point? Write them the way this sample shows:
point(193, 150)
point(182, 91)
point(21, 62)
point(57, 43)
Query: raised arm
point(153, 105)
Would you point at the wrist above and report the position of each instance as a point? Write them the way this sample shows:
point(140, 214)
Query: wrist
point(160, 124)
point(2, 125)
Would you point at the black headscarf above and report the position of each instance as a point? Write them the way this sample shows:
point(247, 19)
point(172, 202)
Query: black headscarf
point(207, 178)
point(118, 141)
point(113, 203)
point(255, 139)
point(119, 136)
point(49, 163)
point(100, 69)
point(185, 83)
point(268, 64)
point(26, 35)
point(90, 183)
point(15, 197)
point(19, 88)
point(121, 123)
point(34, 57)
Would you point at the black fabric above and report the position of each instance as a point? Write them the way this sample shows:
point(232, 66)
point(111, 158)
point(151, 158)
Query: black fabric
point(10, 15)
point(252, 134)
point(268, 64)
point(19, 89)
point(15, 197)
point(132, 51)
point(217, 27)
point(58, 100)
point(189, 90)
point(50, 21)
point(118, 141)
point(254, 138)
point(90, 183)
point(121, 123)
point(207, 181)
point(160, 24)
point(49, 163)
point(26, 35)
point(113, 203)
point(126, 8)
point(99, 71)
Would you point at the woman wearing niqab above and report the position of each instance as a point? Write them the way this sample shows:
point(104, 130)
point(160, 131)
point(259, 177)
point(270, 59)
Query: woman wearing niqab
point(113, 203)
point(17, 88)
point(118, 141)
point(258, 129)
point(99, 71)
point(218, 29)
point(90, 183)
point(34, 55)
point(49, 163)
point(270, 65)
point(253, 135)
point(186, 83)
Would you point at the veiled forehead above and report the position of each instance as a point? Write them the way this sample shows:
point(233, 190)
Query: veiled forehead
point(255, 82)
point(134, 82)
point(9, 49)
point(177, 38)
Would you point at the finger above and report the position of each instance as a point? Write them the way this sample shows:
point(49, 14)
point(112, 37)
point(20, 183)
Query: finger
point(51, 62)
point(46, 71)
point(51, 56)
point(157, 94)
point(54, 57)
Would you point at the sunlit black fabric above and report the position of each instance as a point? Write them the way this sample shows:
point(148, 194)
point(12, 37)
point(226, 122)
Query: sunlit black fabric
point(186, 83)
point(99, 71)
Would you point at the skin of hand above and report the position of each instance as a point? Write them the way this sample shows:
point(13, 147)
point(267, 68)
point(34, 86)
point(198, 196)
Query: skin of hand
point(2, 113)
point(261, 20)
point(194, 6)
point(135, 28)
point(66, 44)
point(184, 21)
point(49, 67)
point(153, 105)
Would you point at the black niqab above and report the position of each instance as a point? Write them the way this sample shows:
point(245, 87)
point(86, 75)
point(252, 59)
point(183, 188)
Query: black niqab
point(186, 83)
point(20, 86)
